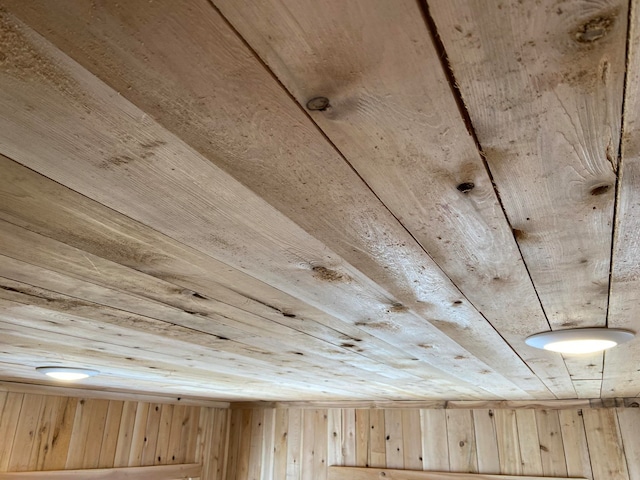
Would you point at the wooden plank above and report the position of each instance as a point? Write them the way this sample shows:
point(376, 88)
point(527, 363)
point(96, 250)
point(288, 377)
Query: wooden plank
point(189, 436)
point(461, 439)
point(379, 281)
point(629, 421)
point(377, 439)
point(537, 94)
point(530, 442)
point(320, 445)
point(123, 446)
point(508, 442)
point(344, 473)
point(244, 445)
point(151, 435)
point(59, 438)
point(164, 435)
point(390, 114)
point(605, 445)
point(234, 441)
point(138, 435)
point(294, 445)
point(26, 434)
point(97, 414)
point(335, 431)
point(411, 439)
point(164, 472)
point(574, 439)
point(362, 437)
point(255, 443)
point(486, 442)
point(110, 435)
point(281, 438)
point(550, 437)
point(621, 377)
point(435, 451)
point(270, 447)
point(349, 436)
point(394, 438)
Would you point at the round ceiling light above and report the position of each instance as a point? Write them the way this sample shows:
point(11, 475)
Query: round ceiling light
point(67, 373)
point(579, 340)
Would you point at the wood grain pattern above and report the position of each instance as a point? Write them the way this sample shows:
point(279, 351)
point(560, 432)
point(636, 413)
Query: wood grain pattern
point(162, 472)
point(388, 287)
point(53, 433)
point(342, 473)
point(535, 95)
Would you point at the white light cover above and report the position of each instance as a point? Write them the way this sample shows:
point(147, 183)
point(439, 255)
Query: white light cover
point(67, 374)
point(579, 340)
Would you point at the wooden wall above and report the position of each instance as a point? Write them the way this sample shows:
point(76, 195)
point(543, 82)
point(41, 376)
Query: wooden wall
point(598, 444)
point(41, 432)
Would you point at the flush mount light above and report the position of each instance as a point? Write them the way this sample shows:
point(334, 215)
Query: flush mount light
point(67, 373)
point(579, 340)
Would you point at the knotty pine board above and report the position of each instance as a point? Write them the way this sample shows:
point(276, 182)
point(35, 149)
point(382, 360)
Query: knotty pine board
point(44, 432)
point(543, 85)
point(586, 443)
point(139, 176)
point(393, 116)
point(621, 376)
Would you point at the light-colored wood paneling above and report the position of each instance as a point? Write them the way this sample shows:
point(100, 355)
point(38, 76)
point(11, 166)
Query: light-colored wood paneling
point(525, 442)
point(46, 432)
point(346, 473)
point(543, 85)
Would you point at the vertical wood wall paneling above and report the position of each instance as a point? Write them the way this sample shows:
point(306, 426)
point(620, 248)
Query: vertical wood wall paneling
point(43, 432)
point(392, 114)
point(539, 86)
point(393, 284)
point(621, 374)
point(606, 449)
point(486, 441)
point(575, 444)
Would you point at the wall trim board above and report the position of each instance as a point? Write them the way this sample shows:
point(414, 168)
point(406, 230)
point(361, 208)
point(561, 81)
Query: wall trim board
point(162, 472)
point(17, 387)
point(354, 473)
point(632, 402)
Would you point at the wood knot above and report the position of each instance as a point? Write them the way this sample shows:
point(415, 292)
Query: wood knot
point(466, 187)
point(461, 443)
point(594, 29)
point(600, 189)
point(319, 104)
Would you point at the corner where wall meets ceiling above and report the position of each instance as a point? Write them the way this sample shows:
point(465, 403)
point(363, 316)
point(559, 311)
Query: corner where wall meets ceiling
point(293, 200)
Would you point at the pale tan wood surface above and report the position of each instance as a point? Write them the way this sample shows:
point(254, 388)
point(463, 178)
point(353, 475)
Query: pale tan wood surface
point(163, 472)
point(620, 373)
point(574, 439)
point(394, 118)
point(379, 279)
point(544, 94)
point(344, 473)
point(605, 445)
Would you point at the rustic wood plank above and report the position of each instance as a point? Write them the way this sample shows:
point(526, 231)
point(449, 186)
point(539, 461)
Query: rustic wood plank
point(394, 118)
point(110, 435)
point(463, 456)
point(270, 448)
point(508, 442)
point(550, 437)
point(138, 435)
point(574, 439)
point(97, 417)
point(435, 450)
point(377, 442)
point(621, 378)
point(151, 436)
point(26, 434)
point(629, 421)
point(335, 431)
point(379, 281)
point(349, 436)
point(537, 94)
point(294, 445)
point(255, 443)
point(344, 473)
point(61, 432)
point(394, 438)
point(486, 442)
point(530, 442)
point(605, 445)
point(281, 437)
point(125, 433)
point(411, 439)
point(164, 472)
point(362, 437)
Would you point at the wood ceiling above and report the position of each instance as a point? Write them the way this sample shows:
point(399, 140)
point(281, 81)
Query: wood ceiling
point(176, 213)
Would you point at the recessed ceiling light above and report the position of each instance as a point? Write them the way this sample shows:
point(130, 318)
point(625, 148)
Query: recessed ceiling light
point(67, 373)
point(579, 340)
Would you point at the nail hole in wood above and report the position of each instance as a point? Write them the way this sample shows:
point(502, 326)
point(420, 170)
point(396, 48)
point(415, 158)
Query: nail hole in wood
point(466, 187)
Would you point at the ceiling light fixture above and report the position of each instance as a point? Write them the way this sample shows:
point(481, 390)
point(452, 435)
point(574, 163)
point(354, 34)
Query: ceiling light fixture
point(579, 340)
point(68, 374)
